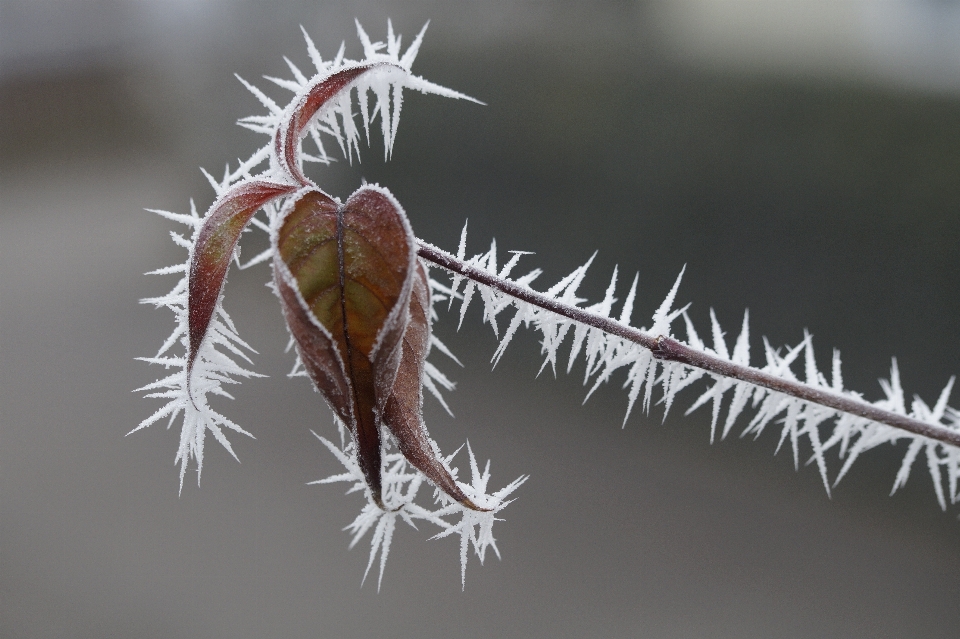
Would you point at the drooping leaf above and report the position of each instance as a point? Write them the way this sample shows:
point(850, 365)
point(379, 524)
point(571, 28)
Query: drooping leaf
point(214, 248)
point(345, 273)
point(356, 299)
point(287, 140)
point(403, 413)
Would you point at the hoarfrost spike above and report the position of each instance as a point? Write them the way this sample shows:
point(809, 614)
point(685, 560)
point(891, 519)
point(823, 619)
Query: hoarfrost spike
point(357, 299)
point(359, 303)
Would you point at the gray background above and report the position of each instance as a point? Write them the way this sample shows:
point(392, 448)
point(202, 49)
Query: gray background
point(816, 196)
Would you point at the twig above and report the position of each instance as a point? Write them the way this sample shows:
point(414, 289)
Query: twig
point(667, 348)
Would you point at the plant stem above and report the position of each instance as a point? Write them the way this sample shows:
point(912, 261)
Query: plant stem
point(666, 348)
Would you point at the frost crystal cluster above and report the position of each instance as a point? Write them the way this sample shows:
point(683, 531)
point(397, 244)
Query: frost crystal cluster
point(652, 357)
point(353, 283)
point(355, 295)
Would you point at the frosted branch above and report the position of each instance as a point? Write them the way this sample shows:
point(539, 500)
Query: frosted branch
point(667, 348)
point(825, 414)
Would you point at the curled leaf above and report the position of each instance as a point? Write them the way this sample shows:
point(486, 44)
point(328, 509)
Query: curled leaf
point(214, 246)
point(403, 413)
point(355, 298)
point(306, 106)
point(344, 273)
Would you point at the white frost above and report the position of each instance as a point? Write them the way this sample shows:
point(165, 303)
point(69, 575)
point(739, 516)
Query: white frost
point(377, 94)
point(810, 428)
point(401, 487)
point(216, 365)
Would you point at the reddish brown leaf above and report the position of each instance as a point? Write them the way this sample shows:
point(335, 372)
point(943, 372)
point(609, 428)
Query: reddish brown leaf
point(287, 140)
point(344, 274)
point(357, 303)
point(403, 413)
point(214, 249)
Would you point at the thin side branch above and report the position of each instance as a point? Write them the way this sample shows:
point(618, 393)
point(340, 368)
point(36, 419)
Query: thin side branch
point(666, 348)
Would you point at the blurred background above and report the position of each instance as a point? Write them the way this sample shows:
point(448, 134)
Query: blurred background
point(801, 158)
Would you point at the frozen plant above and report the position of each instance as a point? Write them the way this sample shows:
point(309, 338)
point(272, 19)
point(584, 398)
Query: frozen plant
point(355, 289)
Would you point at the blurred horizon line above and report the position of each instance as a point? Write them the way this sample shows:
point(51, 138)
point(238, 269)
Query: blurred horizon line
point(896, 43)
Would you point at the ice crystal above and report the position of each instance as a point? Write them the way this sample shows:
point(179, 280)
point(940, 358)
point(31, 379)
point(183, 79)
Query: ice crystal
point(217, 362)
point(820, 428)
point(401, 486)
point(338, 120)
point(375, 93)
point(216, 365)
point(221, 357)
